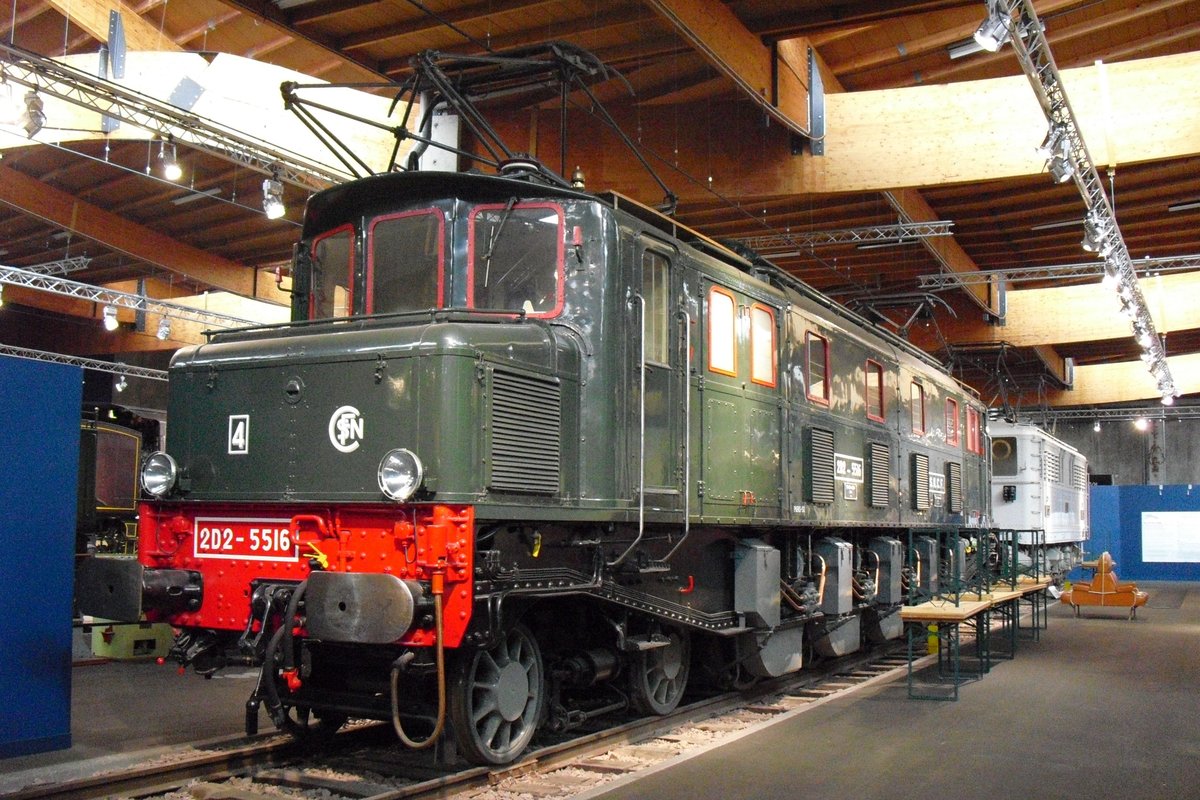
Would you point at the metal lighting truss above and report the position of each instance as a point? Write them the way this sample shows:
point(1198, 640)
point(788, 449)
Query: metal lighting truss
point(63, 266)
point(1033, 51)
point(50, 77)
point(116, 368)
point(1045, 415)
point(1083, 269)
point(903, 231)
point(97, 294)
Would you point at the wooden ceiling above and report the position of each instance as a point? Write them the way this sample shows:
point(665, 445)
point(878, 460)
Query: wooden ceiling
point(683, 105)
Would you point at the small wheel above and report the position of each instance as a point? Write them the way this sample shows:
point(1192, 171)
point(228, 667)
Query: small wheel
point(304, 725)
point(496, 698)
point(659, 676)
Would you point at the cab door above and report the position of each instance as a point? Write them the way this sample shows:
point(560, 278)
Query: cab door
point(664, 366)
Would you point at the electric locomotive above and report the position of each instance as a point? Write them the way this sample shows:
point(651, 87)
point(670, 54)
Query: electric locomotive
point(526, 455)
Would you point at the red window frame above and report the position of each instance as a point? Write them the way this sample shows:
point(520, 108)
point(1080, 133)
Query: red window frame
point(754, 345)
point(560, 278)
point(715, 290)
point(952, 435)
point(916, 396)
point(822, 398)
point(441, 256)
point(974, 440)
point(312, 251)
point(875, 368)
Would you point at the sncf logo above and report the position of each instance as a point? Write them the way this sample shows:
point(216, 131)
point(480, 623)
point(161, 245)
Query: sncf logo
point(346, 429)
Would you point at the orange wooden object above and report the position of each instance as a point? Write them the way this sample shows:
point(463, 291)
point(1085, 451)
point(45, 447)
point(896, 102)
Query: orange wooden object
point(1105, 590)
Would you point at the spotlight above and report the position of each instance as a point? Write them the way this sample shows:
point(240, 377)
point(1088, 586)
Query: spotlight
point(994, 31)
point(121, 384)
point(1053, 141)
point(1060, 167)
point(1, 295)
point(1096, 426)
point(110, 318)
point(164, 329)
point(1112, 278)
point(273, 198)
point(170, 162)
point(1141, 423)
point(34, 117)
point(1168, 400)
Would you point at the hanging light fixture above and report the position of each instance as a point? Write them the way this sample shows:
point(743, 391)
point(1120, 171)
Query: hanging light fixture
point(34, 116)
point(110, 318)
point(1141, 423)
point(1060, 166)
point(164, 329)
point(170, 162)
point(994, 31)
point(273, 197)
point(121, 384)
point(1096, 426)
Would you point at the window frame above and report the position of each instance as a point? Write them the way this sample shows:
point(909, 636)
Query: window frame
point(873, 366)
point(733, 304)
point(952, 434)
point(560, 273)
point(772, 347)
point(654, 254)
point(441, 254)
point(821, 399)
point(917, 391)
point(312, 254)
point(974, 432)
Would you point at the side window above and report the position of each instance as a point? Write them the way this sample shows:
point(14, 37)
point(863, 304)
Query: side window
point(722, 332)
point(918, 407)
point(656, 290)
point(516, 259)
point(405, 262)
point(816, 357)
point(333, 266)
point(952, 436)
point(875, 391)
point(762, 345)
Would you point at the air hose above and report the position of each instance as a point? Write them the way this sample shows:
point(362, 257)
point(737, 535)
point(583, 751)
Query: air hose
point(437, 589)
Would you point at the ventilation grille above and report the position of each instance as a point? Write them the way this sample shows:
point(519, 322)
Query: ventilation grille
point(1079, 475)
point(920, 479)
point(526, 424)
point(879, 471)
point(820, 465)
point(1050, 470)
point(954, 487)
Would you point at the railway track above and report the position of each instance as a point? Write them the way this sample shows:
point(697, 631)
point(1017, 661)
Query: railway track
point(365, 762)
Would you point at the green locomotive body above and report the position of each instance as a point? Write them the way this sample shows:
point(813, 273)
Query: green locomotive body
point(524, 447)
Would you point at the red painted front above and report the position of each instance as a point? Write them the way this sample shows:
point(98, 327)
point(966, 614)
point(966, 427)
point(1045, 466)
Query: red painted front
point(216, 540)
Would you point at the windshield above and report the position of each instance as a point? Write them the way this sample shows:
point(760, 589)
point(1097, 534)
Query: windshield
point(333, 264)
point(516, 258)
point(405, 262)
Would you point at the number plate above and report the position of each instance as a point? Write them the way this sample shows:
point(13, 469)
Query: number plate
point(245, 538)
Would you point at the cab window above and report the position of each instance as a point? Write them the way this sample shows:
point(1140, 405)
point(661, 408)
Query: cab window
point(874, 391)
point(516, 261)
point(333, 266)
point(405, 262)
point(952, 436)
point(816, 350)
point(918, 407)
point(762, 345)
point(656, 293)
point(974, 440)
point(722, 332)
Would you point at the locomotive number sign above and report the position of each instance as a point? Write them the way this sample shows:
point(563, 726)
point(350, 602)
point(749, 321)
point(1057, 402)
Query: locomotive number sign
point(239, 537)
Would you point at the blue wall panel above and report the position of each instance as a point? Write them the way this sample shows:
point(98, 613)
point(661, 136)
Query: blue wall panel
point(40, 445)
point(1117, 528)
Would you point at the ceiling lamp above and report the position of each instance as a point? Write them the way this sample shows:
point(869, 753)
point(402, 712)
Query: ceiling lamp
point(170, 162)
point(34, 116)
point(110, 318)
point(1096, 236)
point(994, 31)
point(121, 384)
point(1096, 426)
point(273, 198)
point(1060, 165)
point(164, 329)
point(1141, 423)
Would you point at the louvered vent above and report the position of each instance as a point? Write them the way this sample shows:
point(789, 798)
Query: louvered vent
point(1079, 476)
point(954, 487)
point(920, 481)
point(526, 422)
point(1050, 470)
point(820, 465)
point(879, 471)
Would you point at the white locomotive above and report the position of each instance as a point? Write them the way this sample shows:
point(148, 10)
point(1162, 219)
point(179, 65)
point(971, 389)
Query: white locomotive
point(1040, 491)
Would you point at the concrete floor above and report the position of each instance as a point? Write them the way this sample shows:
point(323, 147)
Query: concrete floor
point(1100, 708)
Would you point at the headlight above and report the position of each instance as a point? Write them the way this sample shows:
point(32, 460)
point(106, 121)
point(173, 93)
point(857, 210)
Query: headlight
point(159, 474)
point(400, 474)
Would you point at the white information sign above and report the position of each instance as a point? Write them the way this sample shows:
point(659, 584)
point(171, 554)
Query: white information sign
point(1171, 536)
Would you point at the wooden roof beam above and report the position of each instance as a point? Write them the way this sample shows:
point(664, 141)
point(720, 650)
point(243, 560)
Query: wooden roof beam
point(92, 17)
point(1120, 382)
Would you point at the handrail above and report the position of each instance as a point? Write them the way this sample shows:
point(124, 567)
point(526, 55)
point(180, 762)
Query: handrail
point(641, 302)
point(686, 369)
